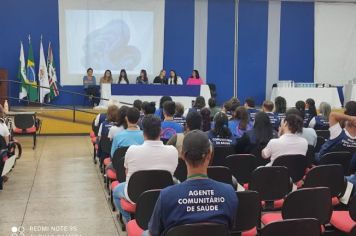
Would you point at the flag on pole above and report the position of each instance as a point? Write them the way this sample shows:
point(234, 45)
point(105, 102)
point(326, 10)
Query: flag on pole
point(52, 78)
point(43, 75)
point(32, 94)
point(22, 74)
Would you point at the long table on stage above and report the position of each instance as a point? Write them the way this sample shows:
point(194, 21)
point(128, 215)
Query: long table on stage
point(292, 95)
point(128, 93)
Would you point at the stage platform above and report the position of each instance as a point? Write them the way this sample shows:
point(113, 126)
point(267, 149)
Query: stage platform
point(60, 121)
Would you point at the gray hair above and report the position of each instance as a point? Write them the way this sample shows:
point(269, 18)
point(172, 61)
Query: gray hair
point(325, 109)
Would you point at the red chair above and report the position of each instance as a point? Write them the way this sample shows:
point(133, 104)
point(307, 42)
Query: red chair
point(273, 184)
point(142, 181)
point(304, 203)
point(248, 214)
point(144, 209)
point(293, 227)
point(345, 221)
point(26, 124)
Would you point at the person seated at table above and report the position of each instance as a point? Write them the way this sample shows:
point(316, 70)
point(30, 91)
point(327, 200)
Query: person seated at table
point(148, 108)
point(220, 135)
point(161, 78)
point(289, 142)
point(193, 122)
point(256, 139)
point(310, 111)
point(174, 79)
point(206, 123)
point(142, 79)
point(321, 121)
point(267, 107)
point(90, 88)
point(120, 125)
point(195, 79)
point(159, 111)
point(151, 155)
point(308, 133)
point(213, 107)
point(250, 106)
point(300, 106)
point(168, 211)
point(341, 139)
point(169, 126)
point(130, 136)
point(123, 77)
point(240, 122)
point(179, 114)
point(280, 109)
point(107, 78)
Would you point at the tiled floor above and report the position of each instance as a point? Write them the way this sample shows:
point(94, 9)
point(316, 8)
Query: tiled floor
point(56, 190)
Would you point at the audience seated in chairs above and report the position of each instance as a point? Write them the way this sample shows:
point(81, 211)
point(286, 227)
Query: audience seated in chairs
point(341, 139)
point(132, 135)
point(120, 124)
point(5, 134)
point(173, 207)
point(289, 141)
point(147, 108)
point(159, 111)
point(193, 122)
point(169, 127)
point(240, 122)
point(151, 155)
point(179, 114)
point(255, 140)
point(250, 106)
point(280, 107)
point(213, 108)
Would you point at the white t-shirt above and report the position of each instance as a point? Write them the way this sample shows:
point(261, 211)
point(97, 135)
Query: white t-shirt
point(113, 131)
point(4, 131)
point(287, 144)
point(336, 130)
point(151, 155)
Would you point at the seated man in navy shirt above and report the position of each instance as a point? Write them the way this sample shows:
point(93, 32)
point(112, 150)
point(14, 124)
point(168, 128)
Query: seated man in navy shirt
point(169, 127)
point(250, 106)
point(267, 108)
point(198, 199)
point(341, 139)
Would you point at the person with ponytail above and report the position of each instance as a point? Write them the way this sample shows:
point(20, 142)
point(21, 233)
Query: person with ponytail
point(220, 135)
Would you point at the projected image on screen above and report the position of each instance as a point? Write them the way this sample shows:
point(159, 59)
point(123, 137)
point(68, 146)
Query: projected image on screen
point(109, 40)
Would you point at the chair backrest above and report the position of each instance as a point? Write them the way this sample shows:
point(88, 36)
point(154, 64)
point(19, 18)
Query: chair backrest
point(323, 133)
point(145, 206)
point(308, 203)
point(181, 171)
point(199, 229)
point(220, 173)
point(331, 176)
point(118, 161)
point(319, 142)
point(24, 121)
point(296, 165)
point(248, 212)
point(293, 227)
point(241, 166)
point(272, 182)
point(220, 154)
point(310, 155)
point(144, 180)
point(105, 145)
point(341, 158)
point(352, 208)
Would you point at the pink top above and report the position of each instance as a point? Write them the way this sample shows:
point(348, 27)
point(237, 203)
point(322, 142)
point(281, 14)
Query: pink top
point(192, 81)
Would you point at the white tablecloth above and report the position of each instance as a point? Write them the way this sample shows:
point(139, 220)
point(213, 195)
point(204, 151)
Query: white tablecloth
point(185, 100)
point(292, 95)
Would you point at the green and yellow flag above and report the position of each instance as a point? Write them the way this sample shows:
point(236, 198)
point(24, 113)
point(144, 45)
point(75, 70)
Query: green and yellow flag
point(31, 83)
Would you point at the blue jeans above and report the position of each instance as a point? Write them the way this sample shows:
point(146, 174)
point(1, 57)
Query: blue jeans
point(118, 193)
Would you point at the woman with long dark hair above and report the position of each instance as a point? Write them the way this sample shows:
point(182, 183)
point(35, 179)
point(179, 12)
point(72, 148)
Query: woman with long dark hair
point(195, 79)
point(206, 119)
point(174, 79)
point(142, 79)
point(310, 110)
point(107, 78)
point(280, 107)
point(221, 135)
point(123, 77)
point(240, 122)
point(253, 141)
